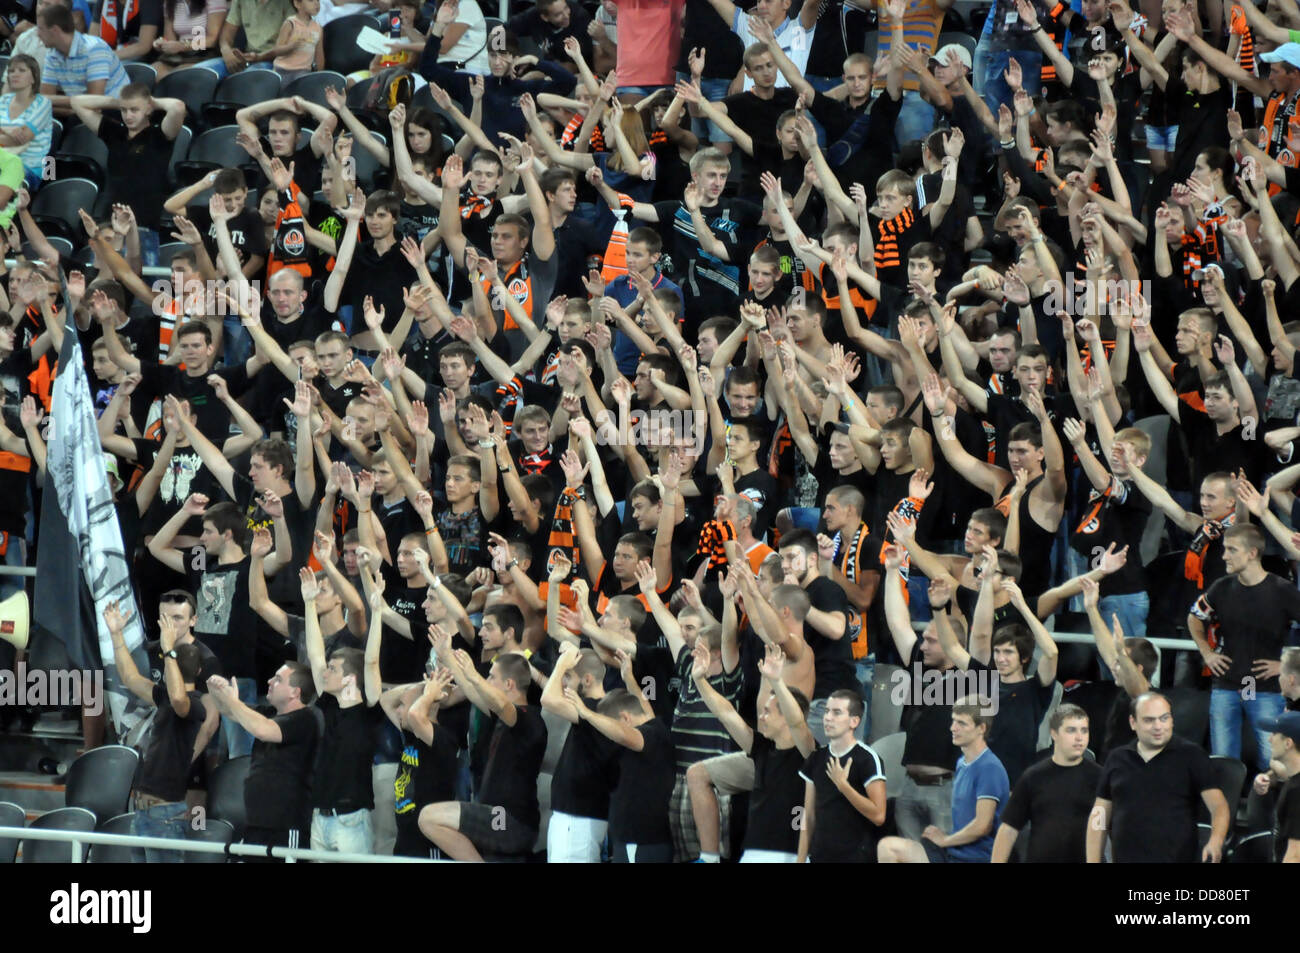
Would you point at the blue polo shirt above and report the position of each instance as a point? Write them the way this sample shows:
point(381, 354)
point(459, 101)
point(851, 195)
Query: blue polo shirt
point(88, 60)
point(982, 778)
point(626, 354)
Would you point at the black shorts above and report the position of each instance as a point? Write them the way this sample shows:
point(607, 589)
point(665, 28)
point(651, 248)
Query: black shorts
point(494, 830)
point(934, 853)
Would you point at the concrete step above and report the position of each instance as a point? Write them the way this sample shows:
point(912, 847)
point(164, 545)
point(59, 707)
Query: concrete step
point(35, 793)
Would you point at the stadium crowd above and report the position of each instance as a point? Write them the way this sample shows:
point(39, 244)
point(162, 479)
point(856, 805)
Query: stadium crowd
point(577, 436)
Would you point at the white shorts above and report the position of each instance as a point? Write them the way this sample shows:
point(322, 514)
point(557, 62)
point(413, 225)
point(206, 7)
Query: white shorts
point(574, 840)
point(767, 857)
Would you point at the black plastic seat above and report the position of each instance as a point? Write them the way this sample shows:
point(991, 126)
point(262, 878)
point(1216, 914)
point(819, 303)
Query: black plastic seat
point(142, 73)
point(193, 85)
point(82, 154)
point(57, 852)
point(213, 831)
point(212, 150)
point(100, 780)
point(340, 38)
point(11, 815)
point(168, 251)
point(113, 853)
point(226, 793)
point(237, 91)
point(1254, 849)
point(312, 86)
point(57, 206)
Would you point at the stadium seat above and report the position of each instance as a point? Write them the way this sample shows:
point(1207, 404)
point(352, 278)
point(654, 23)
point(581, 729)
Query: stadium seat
point(212, 150)
point(1230, 778)
point(100, 780)
point(57, 852)
point(4, 64)
point(193, 85)
point(237, 91)
point(180, 149)
point(82, 154)
point(112, 853)
point(56, 134)
point(885, 715)
point(890, 751)
point(340, 38)
point(57, 205)
point(367, 165)
point(11, 815)
point(168, 251)
point(312, 86)
point(226, 793)
point(1191, 710)
point(213, 831)
point(964, 40)
point(142, 73)
point(62, 245)
point(1254, 849)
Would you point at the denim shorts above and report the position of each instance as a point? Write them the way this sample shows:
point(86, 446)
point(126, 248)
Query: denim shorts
point(1162, 137)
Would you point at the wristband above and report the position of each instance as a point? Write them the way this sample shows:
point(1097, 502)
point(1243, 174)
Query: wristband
point(512, 564)
point(505, 469)
point(1007, 143)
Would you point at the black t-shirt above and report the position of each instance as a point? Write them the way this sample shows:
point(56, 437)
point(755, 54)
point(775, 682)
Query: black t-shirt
point(1253, 621)
point(426, 774)
point(247, 232)
point(841, 834)
point(638, 807)
point(165, 767)
point(758, 118)
point(381, 276)
point(277, 793)
point(709, 286)
point(778, 791)
point(1118, 516)
point(401, 660)
point(1202, 121)
point(1212, 452)
point(764, 493)
point(137, 168)
point(1056, 802)
point(833, 658)
point(158, 380)
point(208, 664)
point(1021, 706)
point(514, 761)
point(347, 750)
point(226, 624)
point(1155, 803)
point(585, 771)
point(1286, 823)
point(928, 726)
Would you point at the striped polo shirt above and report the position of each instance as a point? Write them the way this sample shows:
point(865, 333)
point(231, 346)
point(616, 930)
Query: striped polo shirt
point(88, 60)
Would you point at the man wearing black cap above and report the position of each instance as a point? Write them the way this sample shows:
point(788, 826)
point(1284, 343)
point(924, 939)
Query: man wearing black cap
point(1284, 751)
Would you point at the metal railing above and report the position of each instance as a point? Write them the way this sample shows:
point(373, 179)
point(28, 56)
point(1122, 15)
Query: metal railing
point(1086, 638)
point(290, 854)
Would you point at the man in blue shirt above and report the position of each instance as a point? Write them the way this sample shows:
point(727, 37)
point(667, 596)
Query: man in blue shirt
point(979, 792)
point(76, 64)
point(644, 249)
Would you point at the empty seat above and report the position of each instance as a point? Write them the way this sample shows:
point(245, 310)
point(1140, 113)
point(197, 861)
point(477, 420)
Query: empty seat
point(889, 750)
point(226, 793)
point(340, 38)
point(57, 206)
point(180, 149)
point(193, 85)
point(213, 831)
point(212, 150)
point(240, 90)
point(312, 86)
point(100, 780)
point(57, 852)
point(82, 154)
point(142, 73)
point(885, 715)
point(11, 815)
point(113, 853)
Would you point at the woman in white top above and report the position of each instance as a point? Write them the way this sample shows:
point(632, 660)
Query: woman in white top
point(190, 29)
point(26, 119)
point(464, 43)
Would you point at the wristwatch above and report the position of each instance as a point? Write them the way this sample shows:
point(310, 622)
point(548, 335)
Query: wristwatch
point(171, 655)
point(486, 444)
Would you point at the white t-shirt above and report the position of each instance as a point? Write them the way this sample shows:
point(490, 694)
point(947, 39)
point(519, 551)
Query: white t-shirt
point(471, 48)
point(794, 40)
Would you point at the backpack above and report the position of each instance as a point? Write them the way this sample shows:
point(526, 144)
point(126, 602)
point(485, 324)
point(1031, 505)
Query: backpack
point(392, 86)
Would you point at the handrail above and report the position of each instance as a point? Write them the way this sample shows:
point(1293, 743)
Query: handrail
point(290, 854)
point(1086, 638)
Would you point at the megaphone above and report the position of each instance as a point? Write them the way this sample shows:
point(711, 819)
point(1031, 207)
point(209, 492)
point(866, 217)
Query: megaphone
point(15, 619)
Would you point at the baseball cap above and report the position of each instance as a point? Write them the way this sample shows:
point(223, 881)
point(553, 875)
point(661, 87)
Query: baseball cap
point(1287, 723)
point(1288, 53)
point(110, 464)
point(941, 54)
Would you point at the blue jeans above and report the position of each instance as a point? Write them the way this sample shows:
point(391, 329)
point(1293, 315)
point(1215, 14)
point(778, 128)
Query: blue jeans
point(238, 741)
point(218, 66)
point(15, 555)
point(149, 243)
point(987, 70)
point(824, 83)
point(918, 597)
point(343, 833)
point(1132, 610)
point(161, 820)
point(915, 119)
point(1226, 707)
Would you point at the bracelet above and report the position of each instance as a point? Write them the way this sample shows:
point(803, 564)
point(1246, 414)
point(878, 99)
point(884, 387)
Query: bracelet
point(512, 564)
point(504, 469)
point(1007, 143)
point(848, 404)
point(431, 531)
